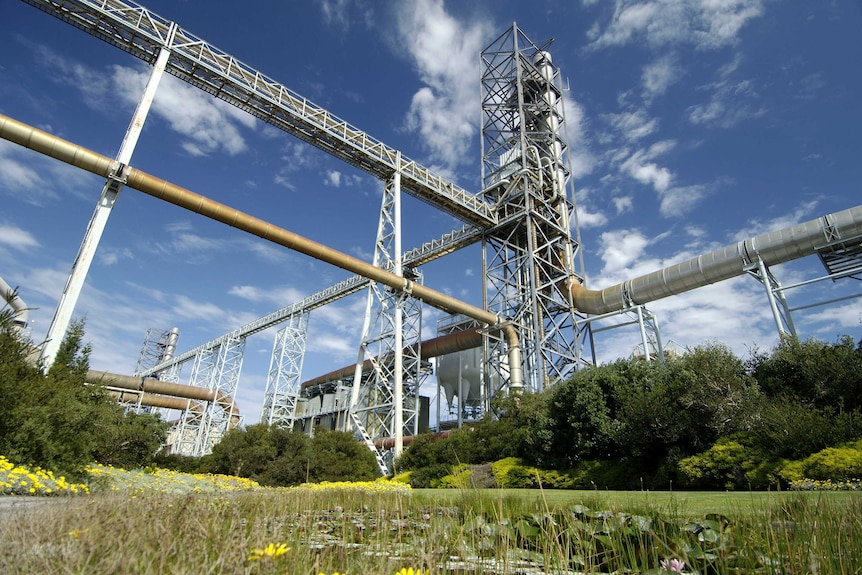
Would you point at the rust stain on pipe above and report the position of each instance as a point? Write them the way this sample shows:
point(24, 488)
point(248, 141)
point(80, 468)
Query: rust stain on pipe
point(150, 385)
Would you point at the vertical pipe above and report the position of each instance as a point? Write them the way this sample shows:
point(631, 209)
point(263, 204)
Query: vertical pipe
point(398, 382)
point(110, 192)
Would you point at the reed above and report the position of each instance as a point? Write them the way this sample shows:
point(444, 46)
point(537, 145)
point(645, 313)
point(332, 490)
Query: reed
point(384, 528)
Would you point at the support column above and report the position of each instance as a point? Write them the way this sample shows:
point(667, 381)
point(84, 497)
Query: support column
point(113, 185)
point(762, 274)
point(285, 372)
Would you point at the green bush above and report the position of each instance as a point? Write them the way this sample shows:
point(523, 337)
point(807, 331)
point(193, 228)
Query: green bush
point(459, 478)
point(834, 463)
point(729, 464)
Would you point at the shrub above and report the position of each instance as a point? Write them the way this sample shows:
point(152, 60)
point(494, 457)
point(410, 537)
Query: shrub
point(729, 464)
point(834, 463)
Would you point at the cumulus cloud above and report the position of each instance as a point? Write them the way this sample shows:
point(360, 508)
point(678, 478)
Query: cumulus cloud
point(443, 50)
point(706, 25)
point(641, 166)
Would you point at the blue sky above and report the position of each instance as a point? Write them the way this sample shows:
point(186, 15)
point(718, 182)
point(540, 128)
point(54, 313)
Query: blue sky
point(692, 124)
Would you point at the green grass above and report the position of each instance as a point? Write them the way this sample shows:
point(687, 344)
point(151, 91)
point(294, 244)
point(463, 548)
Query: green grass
point(190, 525)
point(685, 504)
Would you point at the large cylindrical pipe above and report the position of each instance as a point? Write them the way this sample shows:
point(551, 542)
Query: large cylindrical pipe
point(20, 312)
point(154, 400)
point(168, 402)
point(55, 147)
point(150, 385)
point(449, 343)
point(772, 248)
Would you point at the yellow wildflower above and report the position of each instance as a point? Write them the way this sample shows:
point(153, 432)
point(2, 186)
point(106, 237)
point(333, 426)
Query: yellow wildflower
point(271, 551)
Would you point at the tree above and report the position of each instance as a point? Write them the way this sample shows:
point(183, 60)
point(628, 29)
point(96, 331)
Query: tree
point(247, 452)
point(338, 456)
point(56, 421)
point(814, 372)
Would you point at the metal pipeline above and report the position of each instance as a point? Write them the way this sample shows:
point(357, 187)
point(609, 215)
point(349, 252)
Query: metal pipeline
point(20, 311)
point(772, 248)
point(167, 402)
point(150, 385)
point(78, 156)
point(450, 343)
point(153, 400)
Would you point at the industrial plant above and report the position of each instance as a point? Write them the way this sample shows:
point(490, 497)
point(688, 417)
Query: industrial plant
point(535, 327)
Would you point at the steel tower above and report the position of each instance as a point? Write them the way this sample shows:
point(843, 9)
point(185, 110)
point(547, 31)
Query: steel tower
point(529, 255)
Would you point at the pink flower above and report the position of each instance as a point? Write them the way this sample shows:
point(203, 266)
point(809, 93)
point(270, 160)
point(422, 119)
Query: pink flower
point(672, 565)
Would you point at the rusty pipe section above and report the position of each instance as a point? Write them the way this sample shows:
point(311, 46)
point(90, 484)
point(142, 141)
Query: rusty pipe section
point(449, 343)
point(150, 385)
point(772, 248)
point(167, 402)
point(20, 311)
point(154, 400)
point(95, 163)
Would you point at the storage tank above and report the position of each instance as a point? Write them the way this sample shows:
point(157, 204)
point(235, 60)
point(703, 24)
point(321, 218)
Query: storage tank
point(460, 375)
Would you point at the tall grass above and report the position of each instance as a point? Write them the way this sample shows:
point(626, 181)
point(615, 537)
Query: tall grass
point(362, 531)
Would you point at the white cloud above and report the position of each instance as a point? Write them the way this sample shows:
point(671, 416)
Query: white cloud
point(704, 24)
point(727, 105)
point(620, 248)
point(278, 297)
point(632, 126)
point(207, 124)
point(587, 219)
point(755, 228)
point(580, 157)
point(333, 178)
point(648, 173)
point(444, 52)
point(342, 14)
point(16, 238)
point(680, 200)
point(659, 75)
point(33, 178)
point(623, 204)
point(337, 179)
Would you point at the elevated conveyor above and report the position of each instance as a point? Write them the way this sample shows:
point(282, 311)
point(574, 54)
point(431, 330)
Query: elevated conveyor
point(143, 33)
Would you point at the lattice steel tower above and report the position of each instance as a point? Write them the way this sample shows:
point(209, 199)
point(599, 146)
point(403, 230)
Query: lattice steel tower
point(529, 256)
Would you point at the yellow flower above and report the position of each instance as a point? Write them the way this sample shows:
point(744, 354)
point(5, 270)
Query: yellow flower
point(271, 551)
point(410, 571)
